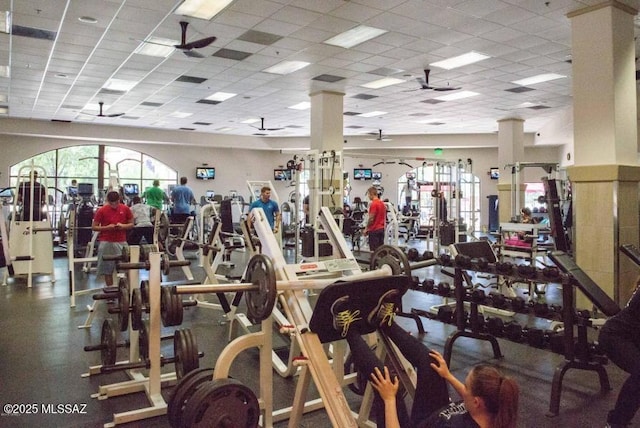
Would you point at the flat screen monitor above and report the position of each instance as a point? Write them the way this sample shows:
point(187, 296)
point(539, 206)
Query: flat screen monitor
point(72, 191)
point(494, 173)
point(85, 189)
point(281, 174)
point(205, 173)
point(130, 189)
point(410, 175)
point(362, 174)
point(376, 175)
point(209, 194)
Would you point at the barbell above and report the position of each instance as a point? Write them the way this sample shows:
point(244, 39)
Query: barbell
point(186, 356)
point(261, 291)
point(137, 303)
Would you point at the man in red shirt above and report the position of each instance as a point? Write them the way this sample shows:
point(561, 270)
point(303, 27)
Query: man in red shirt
point(376, 220)
point(112, 222)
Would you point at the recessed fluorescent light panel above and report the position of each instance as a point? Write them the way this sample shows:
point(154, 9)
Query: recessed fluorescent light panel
point(4, 71)
point(381, 83)
point(460, 60)
point(305, 105)
point(119, 85)
point(4, 110)
point(457, 96)
point(286, 67)
point(5, 21)
point(156, 46)
point(373, 114)
point(355, 36)
point(203, 9)
point(180, 114)
point(538, 79)
point(220, 96)
point(250, 121)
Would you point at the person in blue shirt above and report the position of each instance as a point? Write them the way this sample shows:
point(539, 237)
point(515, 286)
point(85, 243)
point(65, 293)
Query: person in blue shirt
point(270, 208)
point(182, 198)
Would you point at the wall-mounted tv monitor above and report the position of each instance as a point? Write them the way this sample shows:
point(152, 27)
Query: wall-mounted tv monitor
point(494, 173)
point(410, 175)
point(209, 195)
point(362, 174)
point(85, 189)
point(130, 189)
point(281, 174)
point(376, 175)
point(207, 173)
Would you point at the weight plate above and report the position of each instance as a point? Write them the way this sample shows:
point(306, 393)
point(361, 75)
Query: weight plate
point(108, 338)
point(136, 309)
point(178, 309)
point(143, 340)
point(185, 351)
point(123, 304)
point(222, 403)
point(393, 257)
point(179, 351)
point(124, 283)
point(166, 306)
point(183, 391)
point(166, 265)
point(144, 292)
point(193, 362)
point(260, 302)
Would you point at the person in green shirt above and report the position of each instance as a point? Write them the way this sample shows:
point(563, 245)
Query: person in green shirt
point(154, 195)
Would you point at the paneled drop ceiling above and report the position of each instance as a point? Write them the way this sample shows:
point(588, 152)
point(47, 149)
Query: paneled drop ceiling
point(65, 56)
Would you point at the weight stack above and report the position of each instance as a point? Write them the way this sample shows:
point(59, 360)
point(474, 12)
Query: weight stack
point(308, 242)
point(447, 234)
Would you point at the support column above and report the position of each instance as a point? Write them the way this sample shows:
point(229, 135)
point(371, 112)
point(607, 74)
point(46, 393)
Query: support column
point(510, 151)
point(327, 121)
point(606, 174)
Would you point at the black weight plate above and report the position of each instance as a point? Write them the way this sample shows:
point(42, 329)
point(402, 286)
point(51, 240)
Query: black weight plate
point(108, 338)
point(136, 309)
point(166, 306)
point(392, 256)
point(179, 310)
point(183, 391)
point(144, 290)
point(260, 273)
point(123, 304)
point(180, 352)
point(143, 340)
point(222, 403)
point(192, 362)
point(124, 283)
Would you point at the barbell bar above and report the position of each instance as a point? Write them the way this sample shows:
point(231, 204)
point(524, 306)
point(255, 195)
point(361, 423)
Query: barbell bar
point(261, 291)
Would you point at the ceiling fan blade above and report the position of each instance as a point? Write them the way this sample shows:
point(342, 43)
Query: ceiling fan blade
point(192, 54)
point(114, 115)
point(273, 129)
point(445, 89)
point(197, 44)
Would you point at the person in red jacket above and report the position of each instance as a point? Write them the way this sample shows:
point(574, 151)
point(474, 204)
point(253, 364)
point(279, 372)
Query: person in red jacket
point(112, 221)
point(376, 220)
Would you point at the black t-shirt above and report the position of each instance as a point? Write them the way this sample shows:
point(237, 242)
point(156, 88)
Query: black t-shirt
point(452, 416)
point(627, 321)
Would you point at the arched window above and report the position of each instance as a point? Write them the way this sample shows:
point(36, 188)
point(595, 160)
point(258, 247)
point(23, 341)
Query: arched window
point(82, 163)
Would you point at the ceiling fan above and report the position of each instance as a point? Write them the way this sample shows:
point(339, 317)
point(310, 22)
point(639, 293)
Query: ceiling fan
point(100, 112)
point(424, 84)
point(187, 48)
point(379, 136)
point(262, 128)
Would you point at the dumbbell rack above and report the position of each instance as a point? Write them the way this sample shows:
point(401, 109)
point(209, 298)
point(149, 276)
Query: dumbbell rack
point(151, 384)
point(577, 355)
